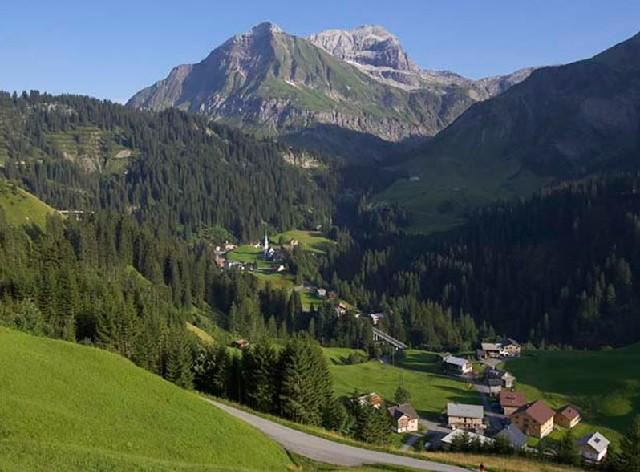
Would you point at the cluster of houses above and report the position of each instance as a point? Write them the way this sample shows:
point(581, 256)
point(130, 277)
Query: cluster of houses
point(526, 419)
point(269, 253)
point(404, 416)
point(523, 419)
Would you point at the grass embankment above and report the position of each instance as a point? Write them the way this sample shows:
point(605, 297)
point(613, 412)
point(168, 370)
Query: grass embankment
point(604, 385)
point(21, 207)
point(419, 372)
point(70, 407)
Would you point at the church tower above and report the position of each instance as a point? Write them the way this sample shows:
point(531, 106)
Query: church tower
point(266, 243)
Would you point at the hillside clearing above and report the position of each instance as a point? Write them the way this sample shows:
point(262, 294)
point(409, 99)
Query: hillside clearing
point(419, 373)
point(20, 207)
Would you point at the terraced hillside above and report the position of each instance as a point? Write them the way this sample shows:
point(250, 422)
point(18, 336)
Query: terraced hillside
point(79, 408)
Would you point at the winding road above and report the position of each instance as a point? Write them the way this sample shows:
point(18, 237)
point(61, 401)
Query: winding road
point(326, 451)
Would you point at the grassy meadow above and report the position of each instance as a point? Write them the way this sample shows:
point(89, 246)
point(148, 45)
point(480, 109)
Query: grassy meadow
point(21, 207)
point(79, 408)
point(604, 385)
point(419, 372)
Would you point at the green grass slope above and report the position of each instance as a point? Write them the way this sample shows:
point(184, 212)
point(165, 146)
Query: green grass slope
point(69, 407)
point(21, 207)
point(418, 371)
point(604, 385)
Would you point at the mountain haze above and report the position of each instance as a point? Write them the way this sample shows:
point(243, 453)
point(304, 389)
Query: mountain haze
point(277, 83)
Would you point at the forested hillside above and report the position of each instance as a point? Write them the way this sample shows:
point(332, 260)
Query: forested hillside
point(558, 268)
point(175, 170)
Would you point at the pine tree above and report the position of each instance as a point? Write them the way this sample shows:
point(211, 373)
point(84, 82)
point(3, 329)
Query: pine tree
point(628, 459)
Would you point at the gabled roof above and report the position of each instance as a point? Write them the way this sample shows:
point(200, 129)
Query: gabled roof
point(490, 347)
point(594, 440)
point(401, 410)
point(459, 361)
point(465, 411)
point(569, 412)
point(538, 411)
point(516, 438)
point(512, 399)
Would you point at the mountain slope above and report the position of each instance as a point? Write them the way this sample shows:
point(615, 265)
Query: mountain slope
point(21, 207)
point(563, 121)
point(278, 83)
point(78, 153)
point(78, 408)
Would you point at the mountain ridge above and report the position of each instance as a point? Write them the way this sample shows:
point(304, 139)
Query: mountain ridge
point(279, 84)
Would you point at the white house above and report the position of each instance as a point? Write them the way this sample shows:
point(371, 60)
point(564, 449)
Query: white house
point(593, 447)
point(448, 440)
point(457, 365)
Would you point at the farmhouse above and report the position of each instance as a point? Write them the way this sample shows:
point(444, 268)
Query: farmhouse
point(491, 350)
point(404, 417)
point(516, 438)
point(457, 365)
point(506, 379)
point(372, 399)
point(511, 401)
point(467, 417)
point(593, 447)
point(375, 317)
point(321, 292)
point(511, 348)
point(457, 434)
point(504, 348)
point(534, 419)
point(567, 417)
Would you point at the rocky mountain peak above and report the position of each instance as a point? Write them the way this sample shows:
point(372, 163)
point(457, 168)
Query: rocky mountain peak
point(266, 27)
point(367, 45)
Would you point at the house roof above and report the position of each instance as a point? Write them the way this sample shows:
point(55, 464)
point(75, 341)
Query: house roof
point(569, 412)
point(516, 438)
point(538, 411)
point(465, 411)
point(512, 399)
point(489, 347)
point(459, 361)
point(594, 440)
point(401, 410)
point(448, 439)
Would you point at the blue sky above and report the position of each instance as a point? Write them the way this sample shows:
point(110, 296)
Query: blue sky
point(111, 49)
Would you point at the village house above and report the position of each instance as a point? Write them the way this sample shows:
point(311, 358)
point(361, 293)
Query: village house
point(375, 317)
point(494, 386)
point(229, 246)
point(567, 417)
point(467, 417)
point(490, 350)
point(405, 418)
point(511, 401)
point(516, 438)
point(450, 438)
point(321, 292)
point(534, 419)
point(593, 447)
point(372, 399)
point(505, 378)
point(457, 365)
point(503, 348)
point(511, 348)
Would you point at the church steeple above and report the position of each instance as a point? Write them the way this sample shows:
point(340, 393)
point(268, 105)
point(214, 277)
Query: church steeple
point(266, 242)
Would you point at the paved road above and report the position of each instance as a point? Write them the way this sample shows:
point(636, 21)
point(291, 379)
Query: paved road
point(330, 452)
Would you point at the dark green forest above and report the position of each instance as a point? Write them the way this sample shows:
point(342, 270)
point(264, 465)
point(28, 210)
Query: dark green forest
point(559, 268)
point(180, 172)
